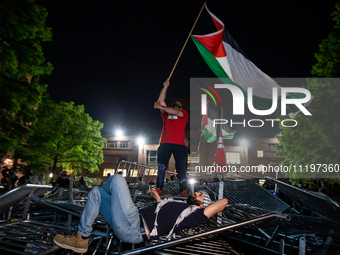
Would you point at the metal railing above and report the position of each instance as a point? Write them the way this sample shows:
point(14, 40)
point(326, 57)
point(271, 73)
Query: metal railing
point(135, 172)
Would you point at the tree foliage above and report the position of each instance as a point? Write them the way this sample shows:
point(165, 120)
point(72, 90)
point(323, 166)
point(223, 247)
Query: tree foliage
point(328, 57)
point(22, 62)
point(33, 128)
point(66, 136)
point(315, 140)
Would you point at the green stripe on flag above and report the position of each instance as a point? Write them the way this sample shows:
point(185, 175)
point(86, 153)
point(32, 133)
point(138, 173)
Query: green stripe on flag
point(210, 59)
point(209, 137)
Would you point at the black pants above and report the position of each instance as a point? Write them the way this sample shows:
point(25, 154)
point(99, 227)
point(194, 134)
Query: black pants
point(181, 157)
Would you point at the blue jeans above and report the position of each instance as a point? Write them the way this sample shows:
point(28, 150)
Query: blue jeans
point(113, 200)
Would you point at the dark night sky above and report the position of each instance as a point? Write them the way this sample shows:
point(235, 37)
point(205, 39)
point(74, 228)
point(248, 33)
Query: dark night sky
point(113, 56)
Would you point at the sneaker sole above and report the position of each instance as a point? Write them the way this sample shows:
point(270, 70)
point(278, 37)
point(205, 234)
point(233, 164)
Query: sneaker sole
point(77, 250)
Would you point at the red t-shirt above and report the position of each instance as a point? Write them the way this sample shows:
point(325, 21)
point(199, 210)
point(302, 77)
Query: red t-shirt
point(173, 128)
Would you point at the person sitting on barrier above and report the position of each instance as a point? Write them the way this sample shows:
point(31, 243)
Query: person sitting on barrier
point(114, 201)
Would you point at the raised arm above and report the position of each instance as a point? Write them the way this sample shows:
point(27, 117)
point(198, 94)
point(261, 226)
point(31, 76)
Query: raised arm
point(160, 104)
point(216, 207)
point(162, 95)
point(169, 110)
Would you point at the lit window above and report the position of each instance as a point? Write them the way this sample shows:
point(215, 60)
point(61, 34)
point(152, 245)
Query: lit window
point(108, 171)
point(260, 154)
point(111, 145)
point(122, 171)
point(133, 173)
point(193, 159)
point(151, 171)
point(261, 181)
point(271, 147)
point(124, 144)
point(233, 158)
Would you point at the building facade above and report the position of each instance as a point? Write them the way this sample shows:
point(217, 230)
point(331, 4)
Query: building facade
point(252, 159)
point(130, 149)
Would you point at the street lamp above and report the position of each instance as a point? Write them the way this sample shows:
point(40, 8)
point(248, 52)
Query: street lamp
point(141, 142)
point(119, 133)
point(192, 183)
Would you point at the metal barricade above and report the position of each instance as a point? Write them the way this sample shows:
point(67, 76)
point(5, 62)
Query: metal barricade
point(316, 202)
point(134, 172)
point(248, 192)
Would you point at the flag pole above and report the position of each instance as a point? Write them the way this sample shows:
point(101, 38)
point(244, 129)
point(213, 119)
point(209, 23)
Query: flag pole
point(222, 176)
point(221, 184)
point(221, 118)
point(221, 195)
point(199, 143)
point(173, 69)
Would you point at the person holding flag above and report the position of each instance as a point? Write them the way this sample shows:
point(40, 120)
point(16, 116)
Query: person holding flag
point(172, 141)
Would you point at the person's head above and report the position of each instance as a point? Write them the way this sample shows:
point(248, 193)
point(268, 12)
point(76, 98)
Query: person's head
point(196, 199)
point(63, 174)
point(108, 175)
point(19, 173)
point(177, 105)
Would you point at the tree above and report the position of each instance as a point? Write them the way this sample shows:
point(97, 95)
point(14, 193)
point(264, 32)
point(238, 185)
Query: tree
point(328, 56)
point(22, 30)
point(65, 136)
point(315, 140)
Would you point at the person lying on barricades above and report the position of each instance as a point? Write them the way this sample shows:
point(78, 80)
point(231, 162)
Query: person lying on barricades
point(113, 200)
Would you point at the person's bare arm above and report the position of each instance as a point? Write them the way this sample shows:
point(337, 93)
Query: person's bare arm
point(153, 192)
point(216, 207)
point(162, 95)
point(169, 110)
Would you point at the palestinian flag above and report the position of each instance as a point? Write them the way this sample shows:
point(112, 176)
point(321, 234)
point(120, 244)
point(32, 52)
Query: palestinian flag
point(230, 64)
point(227, 132)
point(208, 130)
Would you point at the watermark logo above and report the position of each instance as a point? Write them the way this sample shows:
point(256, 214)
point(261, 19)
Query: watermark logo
point(281, 97)
point(238, 100)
